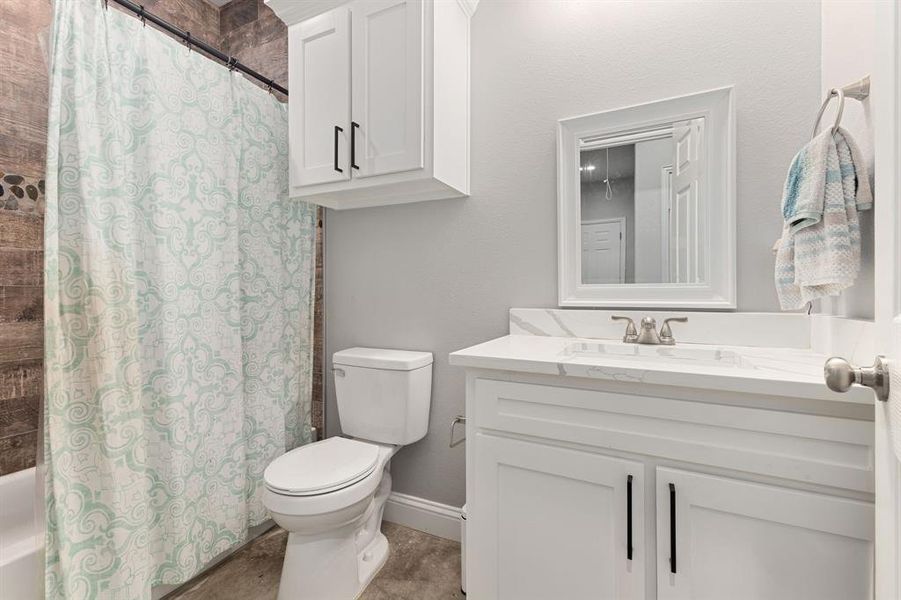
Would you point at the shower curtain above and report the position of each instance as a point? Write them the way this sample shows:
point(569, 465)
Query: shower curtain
point(178, 306)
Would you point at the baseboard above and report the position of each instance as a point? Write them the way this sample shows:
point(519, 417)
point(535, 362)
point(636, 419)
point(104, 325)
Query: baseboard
point(437, 519)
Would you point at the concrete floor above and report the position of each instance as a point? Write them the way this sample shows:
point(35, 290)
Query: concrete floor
point(419, 567)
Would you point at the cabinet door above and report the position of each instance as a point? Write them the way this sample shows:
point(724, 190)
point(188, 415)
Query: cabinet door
point(549, 522)
point(387, 86)
point(319, 104)
point(741, 540)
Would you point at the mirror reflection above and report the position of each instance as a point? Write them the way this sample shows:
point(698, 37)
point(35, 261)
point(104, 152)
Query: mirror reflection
point(640, 206)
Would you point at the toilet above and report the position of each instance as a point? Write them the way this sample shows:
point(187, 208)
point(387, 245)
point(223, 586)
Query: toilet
point(330, 495)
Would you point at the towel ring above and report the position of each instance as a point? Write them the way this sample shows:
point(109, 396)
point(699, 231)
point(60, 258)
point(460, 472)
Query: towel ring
point(838, 116)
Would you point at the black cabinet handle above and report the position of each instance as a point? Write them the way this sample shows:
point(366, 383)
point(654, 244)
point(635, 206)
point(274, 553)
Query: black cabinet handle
point(353, 144)
point(337, 131)
point(629, 518)
point(672, 528)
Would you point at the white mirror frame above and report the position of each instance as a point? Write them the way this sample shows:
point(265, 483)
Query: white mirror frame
point(718, 292)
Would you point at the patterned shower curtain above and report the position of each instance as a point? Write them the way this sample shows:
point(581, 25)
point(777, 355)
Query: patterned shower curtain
point(178, 306)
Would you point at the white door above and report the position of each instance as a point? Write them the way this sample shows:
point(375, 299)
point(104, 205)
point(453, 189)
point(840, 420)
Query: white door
point(554, 523)
point(721, 538)
point(387, 67)
point(687, 264)
point(667, 266)
point(603, 251)
point(886, 100)
point(319, 103)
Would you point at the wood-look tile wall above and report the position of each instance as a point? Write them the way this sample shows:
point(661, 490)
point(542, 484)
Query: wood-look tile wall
point(245, 28)
point(24, 29)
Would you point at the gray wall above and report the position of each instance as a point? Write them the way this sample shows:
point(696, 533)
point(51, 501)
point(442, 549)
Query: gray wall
point(594, 203)
point(441, 275)
point(650, 158)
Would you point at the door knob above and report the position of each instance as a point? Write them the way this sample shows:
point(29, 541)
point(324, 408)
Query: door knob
point(840, 375)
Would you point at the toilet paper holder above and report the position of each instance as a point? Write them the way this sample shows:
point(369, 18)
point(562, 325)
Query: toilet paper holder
point(453, 427)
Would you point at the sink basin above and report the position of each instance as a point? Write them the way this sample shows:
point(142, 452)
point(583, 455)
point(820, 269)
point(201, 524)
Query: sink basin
point(711, 357)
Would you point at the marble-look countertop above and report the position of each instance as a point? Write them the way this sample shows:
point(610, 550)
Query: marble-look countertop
point(791, 372)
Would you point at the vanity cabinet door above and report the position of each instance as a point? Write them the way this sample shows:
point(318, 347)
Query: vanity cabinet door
point(319, 104)
point(740, 540)
point(387, 66)
point(551, 522)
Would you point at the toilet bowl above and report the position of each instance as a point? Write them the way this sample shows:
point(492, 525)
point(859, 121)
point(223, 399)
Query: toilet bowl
point(330, 495)
point(335, 544)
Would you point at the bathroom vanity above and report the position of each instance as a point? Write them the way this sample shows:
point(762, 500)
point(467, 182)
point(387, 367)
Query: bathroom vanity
point(600, 469)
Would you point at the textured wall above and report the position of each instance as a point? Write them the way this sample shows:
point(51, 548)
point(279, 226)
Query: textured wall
point(849, 53)
point(249, 30)
point(441, 275)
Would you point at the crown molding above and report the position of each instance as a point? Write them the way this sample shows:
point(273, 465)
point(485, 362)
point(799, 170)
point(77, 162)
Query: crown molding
point(292, 11)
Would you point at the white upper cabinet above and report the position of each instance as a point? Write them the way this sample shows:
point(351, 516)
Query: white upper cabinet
point(319, 51)
point(379, 102)
point(387, 87)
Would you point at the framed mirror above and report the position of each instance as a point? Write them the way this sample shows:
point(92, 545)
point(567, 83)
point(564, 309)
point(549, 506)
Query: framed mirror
point(646, 205)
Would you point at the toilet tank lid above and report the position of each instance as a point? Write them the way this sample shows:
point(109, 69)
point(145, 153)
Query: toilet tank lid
point(381, 358)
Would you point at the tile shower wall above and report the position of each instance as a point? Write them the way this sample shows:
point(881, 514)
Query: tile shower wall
point(23, 134)
point(245, 28)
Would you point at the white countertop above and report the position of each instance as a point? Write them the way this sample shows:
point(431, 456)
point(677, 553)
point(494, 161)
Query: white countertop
point(791, 372)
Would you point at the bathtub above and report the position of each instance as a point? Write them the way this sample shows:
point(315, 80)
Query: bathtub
point(21, 542)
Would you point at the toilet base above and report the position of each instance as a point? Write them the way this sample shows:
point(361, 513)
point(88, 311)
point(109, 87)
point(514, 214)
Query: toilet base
point(371, 560)
point(337, 564)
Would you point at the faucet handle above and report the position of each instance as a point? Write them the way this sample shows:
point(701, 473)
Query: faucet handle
point(631, 333)
point(666, 334)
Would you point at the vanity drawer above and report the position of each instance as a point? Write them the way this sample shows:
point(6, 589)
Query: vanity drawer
point(802, 447)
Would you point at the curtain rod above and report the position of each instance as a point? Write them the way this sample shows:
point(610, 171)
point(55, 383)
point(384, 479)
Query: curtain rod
point(228, 61)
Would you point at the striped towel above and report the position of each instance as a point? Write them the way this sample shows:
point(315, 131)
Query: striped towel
point(819, 252)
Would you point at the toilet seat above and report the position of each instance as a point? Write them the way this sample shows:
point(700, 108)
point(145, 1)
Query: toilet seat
point(321, 467)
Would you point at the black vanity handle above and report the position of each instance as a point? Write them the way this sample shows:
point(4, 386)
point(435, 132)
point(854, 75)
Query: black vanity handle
point(672, 528)
point(337, 131)
point(353, 144)
point(629, 518)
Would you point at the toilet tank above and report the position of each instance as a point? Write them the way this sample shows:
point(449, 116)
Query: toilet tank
point(383, 395)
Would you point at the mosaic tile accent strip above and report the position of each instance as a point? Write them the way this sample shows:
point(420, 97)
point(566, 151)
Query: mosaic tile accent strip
point(21, 193)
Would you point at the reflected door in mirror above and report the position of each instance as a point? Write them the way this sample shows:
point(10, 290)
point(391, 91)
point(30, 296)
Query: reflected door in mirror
point(603, 251)
point(641, 207)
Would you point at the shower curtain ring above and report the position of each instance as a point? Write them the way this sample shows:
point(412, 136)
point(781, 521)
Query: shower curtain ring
point(269, 87)
point(188, 40)
point(232, 63)
point(142, 17)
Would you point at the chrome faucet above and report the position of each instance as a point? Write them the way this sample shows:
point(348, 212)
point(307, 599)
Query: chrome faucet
point(648, 334)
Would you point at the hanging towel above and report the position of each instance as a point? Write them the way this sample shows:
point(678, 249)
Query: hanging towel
point(819, 251)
